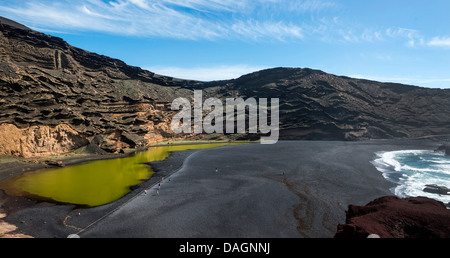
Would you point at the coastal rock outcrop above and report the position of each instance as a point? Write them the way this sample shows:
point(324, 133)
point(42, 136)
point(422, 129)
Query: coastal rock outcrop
point(437, 189)
point(444, 148)
point(393, 217)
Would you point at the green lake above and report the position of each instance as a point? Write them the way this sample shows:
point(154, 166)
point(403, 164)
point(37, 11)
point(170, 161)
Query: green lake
point(94, 183)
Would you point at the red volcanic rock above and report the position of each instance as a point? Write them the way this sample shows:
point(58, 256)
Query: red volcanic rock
point(392, 217)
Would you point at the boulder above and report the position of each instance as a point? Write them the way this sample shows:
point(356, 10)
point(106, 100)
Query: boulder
point(444, 148)
point(104, 143)
point(437, 189)
point(133, 140)
point(93, 148)
point(54, 163)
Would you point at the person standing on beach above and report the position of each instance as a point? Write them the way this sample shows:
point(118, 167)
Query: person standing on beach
point(217, 170)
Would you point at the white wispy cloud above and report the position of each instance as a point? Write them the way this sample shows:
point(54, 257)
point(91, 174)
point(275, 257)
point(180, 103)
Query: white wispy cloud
point(336, 29)
point(410, 37)
point(181, 19)
point(310, 5)
point(256, 20)
point(424, 82)
point(355, 36)
point(208, 5)
point(440, 42)
point(276, 30)
point(414, 37)
point(212, 73)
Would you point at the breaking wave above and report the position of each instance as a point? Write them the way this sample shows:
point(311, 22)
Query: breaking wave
point(413, 170)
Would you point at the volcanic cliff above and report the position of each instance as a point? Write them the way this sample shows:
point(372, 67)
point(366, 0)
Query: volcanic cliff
point(393, 217)
point(55, 98)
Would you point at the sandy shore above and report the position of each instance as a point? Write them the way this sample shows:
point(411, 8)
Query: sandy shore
point(248, 197)
point(48, 220)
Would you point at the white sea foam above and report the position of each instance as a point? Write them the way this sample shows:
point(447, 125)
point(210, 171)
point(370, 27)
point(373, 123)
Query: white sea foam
point(412, 170)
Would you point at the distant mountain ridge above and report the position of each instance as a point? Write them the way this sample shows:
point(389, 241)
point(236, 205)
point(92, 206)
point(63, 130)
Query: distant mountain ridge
point(56, 97)
point(317, 105)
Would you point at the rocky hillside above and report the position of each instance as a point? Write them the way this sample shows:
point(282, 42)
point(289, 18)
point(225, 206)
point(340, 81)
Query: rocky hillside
point(56, 98)
point(317, 105)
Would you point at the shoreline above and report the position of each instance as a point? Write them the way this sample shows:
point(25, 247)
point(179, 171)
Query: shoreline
point(14, 165)
point(56, 220)
point(250, 198)
point(9, 205)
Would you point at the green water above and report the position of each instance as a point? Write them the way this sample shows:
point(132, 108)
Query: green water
point(95, 183)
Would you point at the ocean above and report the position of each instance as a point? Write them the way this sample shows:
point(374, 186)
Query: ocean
point(414, 170)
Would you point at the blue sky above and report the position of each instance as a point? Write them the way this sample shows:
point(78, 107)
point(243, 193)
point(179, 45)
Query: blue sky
point(395, 40)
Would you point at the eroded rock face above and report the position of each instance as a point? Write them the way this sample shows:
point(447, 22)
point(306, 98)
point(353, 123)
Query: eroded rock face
point(51, 89)
point(39, 140)
point(392, 217)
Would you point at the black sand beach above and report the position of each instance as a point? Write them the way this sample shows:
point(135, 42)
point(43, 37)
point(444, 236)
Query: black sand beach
point(248, 197)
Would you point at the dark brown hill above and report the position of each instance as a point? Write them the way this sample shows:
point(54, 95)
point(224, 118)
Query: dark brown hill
point(317, 105)
point(56, 97)
point(5, 21)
